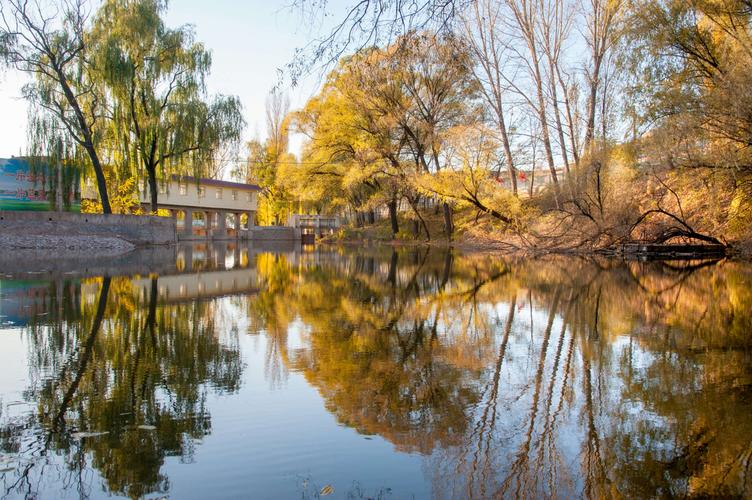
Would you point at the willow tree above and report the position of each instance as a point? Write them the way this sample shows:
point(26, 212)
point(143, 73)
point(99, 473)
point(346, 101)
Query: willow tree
point(67, 103)
point(163, 120)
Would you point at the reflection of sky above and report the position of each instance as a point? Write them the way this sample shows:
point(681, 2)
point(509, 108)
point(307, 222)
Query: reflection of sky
point(265, 441)
point(280, 438)
point(14, 372)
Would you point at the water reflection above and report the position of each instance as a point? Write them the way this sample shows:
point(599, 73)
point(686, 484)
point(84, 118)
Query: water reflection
point(119, 373)
point(511, 378)
point(561, 377)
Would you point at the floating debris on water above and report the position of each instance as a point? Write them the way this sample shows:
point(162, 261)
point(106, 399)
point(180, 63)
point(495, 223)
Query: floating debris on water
point(18, 403)
point(327, 490)
point(81, 435)
point(147, 427)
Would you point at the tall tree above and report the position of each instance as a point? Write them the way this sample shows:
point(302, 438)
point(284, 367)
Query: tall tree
point(524, 19)
point(164, 122)
point(435, 72)
point(482, 28)
point(51, 44)
point(602, 29)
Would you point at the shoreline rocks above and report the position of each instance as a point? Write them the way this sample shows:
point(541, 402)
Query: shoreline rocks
point(65, 245)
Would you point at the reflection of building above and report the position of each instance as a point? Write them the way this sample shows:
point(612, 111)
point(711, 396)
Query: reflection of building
point(201, 285)
point(28, 302)
point(204, 272)
point(200, 272)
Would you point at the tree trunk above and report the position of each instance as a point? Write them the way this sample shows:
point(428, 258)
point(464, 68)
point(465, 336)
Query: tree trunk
point(59, 187)
point(88, 142)
point(570, 120)
point(393, 216)
point(101, 181)
point(592, 104)
point(557, 116)
point(448, 222)
point(153, 189)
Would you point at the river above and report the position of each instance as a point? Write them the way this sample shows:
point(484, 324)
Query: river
point(234, 372)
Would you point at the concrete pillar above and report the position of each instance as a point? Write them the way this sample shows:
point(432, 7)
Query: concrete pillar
point(208, 223)
point(188, 257)
point(188, 223)
point(220, 255)
point(221, 225)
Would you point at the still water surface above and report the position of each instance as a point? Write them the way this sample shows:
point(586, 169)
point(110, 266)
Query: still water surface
point(372, 373)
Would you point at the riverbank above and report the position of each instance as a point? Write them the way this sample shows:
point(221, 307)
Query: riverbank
point(80, 232)
point(64, 245)
point(489, 238)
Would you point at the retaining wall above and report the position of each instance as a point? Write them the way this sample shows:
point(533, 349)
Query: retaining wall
point(140, 230)
point(274, 233)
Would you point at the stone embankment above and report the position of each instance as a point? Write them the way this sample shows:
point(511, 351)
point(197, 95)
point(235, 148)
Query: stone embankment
point(65, 244)
point(69, 233)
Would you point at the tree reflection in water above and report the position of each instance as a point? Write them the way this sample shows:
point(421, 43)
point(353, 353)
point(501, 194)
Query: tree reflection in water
point(124, 363)
point(534, 378)
point(625, 379)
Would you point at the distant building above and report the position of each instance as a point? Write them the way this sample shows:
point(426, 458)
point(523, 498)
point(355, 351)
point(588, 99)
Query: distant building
point(31, 184)
point(201, 206)
point(540, 178)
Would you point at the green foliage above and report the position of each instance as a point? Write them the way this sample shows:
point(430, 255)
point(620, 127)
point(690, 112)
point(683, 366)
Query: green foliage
point(163, 122)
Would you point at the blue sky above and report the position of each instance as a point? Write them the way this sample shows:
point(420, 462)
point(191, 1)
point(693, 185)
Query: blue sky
point(250, 40)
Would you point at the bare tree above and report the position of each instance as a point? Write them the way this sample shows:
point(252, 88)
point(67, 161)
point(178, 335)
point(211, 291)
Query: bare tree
point(367, 23)
point(524, 15)
point(49, 43)
point(555, 25)
point(277, 109)
point(603, 21)
point(481, 26)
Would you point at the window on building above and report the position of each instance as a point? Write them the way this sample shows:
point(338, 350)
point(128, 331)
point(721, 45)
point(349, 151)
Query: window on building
point(201, 191)
point(218, 193)
point(162, 188)
point(183, 189)
point(234, 195)
point(248, 197)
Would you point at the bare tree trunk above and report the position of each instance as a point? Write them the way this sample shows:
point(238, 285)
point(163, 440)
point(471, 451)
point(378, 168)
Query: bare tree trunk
point(525, 13)
point(481, 32)
point(555, 24)
point(601, 28)
point(571, 125)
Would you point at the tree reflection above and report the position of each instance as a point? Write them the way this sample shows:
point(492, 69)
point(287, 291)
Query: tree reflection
point(129, 366)
point(627, 379)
